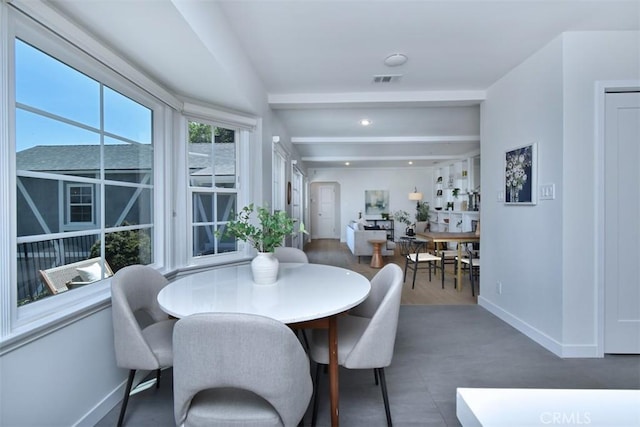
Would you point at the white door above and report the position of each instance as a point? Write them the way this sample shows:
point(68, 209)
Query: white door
point(622, 223)
point(323, 212)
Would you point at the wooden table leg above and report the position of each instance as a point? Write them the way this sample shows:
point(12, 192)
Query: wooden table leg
point(459, 265)
point(333, 369)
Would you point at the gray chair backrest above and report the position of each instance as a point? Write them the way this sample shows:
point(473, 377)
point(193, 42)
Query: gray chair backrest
point(286, 254)
point(243, 351)
point(374, 349)
point(135, 289)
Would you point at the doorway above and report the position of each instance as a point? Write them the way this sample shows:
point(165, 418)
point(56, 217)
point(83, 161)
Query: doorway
point(325, 208)
point(621, 217)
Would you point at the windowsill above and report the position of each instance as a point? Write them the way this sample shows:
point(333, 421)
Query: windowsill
point(45, 317)
point(34, 323)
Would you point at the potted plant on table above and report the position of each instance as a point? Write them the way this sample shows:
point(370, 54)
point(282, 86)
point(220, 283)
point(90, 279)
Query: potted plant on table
point(264, 237)
point(403, 217)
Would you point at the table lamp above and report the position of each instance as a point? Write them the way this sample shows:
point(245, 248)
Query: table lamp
point(416, 196)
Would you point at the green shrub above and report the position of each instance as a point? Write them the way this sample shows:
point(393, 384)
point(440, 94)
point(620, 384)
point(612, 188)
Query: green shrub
point(123, 248)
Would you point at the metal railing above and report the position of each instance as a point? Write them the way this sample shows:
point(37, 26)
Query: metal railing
point(44, 254)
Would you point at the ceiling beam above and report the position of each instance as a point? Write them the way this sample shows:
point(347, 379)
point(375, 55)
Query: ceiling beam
point(311, 140)
point(382, 158)
point(387, 99)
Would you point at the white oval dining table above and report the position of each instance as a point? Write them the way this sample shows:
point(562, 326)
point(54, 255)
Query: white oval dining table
point(304, 296)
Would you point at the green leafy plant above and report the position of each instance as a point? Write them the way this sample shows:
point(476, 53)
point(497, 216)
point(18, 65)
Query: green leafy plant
point(455, 192)
point(402, 216)
point(123, 248)
point(422, 213)
point(268, 235)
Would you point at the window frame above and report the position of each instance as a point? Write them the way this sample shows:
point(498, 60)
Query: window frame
point(68, 222)
point(22, 322)
point(244, 128)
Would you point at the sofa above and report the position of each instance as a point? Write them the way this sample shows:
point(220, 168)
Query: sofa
point(358, 240)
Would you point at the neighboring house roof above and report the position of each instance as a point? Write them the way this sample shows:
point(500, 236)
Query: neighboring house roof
point(117, 157)
point(225, 160)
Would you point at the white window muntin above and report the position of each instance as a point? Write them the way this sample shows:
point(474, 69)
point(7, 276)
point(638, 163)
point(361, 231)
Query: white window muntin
point(194, 189)
point(19, 319)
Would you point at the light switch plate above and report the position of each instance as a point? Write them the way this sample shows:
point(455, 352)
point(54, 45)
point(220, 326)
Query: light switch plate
point(501, 196)
point(547, 192)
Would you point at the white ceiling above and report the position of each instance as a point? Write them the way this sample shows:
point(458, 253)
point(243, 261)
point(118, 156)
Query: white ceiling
point(317, 60)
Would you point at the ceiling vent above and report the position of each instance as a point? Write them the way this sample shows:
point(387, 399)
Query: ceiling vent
point(387, 78)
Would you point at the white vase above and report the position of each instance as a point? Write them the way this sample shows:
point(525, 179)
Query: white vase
point(264, 268)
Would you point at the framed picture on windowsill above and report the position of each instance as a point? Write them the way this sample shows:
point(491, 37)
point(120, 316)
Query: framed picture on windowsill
point(520, 177)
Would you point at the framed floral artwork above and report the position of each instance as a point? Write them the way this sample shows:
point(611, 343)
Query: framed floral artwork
point(520, 180)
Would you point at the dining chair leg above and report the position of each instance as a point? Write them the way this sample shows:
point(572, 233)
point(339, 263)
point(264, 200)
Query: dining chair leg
point(442, 270)
point(158, 373)
point(127, 390)
point(406, 264)
point(473, 292)
point(415, 270)
point(385, 396)
point(314, 413)
point(375, 375)
point(455, 273)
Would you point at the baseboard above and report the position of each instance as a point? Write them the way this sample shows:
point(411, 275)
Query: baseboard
point(559, 349)
point(114, 398)
point(103, 407)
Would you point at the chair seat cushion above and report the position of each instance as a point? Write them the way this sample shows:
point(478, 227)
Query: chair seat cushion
point(230, 406)
point(476, 261)
point(423, 257)
point(159, 336)
point(350, 329)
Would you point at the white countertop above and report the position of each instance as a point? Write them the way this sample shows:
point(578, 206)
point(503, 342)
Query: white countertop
point(513, 407)
point(302, 292)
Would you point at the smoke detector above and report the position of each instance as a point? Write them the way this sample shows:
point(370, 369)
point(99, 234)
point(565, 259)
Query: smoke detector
point(395, 59)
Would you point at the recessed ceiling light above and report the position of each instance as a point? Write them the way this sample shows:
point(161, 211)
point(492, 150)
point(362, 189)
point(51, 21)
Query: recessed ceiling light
point(410, 162)
point(365, 122)
point(347, 163)
point(395, 59)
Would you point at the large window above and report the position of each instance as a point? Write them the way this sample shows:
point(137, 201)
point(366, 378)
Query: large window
point(84, 161)
point(212, 156)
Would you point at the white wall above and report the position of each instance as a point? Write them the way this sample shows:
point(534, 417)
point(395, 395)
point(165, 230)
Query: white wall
point(353, 183)
point(60, 379)
point(521, 245)
point(589, 57)
point(544, 255)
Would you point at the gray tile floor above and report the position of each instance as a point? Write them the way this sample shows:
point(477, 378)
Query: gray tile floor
point(438, 348)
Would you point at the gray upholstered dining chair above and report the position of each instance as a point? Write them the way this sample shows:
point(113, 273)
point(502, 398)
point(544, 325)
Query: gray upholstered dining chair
point(142, 332)
point(366, 336)
point(238, 369)
point(287, 254)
